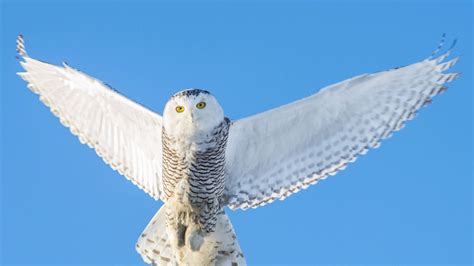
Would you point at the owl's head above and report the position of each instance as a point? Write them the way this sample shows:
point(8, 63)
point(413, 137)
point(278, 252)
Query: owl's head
point(191, 112)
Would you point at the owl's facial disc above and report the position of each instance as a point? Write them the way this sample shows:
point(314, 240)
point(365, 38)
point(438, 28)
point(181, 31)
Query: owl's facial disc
point(192, 113)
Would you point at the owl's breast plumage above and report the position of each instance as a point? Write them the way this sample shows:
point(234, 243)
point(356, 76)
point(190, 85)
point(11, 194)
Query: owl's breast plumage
point(198, 166)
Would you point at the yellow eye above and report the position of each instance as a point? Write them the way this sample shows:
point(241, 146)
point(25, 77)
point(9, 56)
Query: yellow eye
point(201, 105)
point(179, 109)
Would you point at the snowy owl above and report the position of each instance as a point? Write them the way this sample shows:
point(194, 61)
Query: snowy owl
point(198, 161)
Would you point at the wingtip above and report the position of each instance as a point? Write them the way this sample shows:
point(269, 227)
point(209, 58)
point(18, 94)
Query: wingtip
point(20, 47)
point(440, 46)
point(435, 55)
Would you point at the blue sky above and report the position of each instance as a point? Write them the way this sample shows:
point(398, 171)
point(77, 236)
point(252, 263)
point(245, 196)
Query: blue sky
point(408, 202)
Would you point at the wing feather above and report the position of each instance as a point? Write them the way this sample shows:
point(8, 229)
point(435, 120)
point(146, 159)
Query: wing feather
point(278, 152)
point(126, 135)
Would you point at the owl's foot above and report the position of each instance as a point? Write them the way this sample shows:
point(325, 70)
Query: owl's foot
point(195, 240)
point(181, 235)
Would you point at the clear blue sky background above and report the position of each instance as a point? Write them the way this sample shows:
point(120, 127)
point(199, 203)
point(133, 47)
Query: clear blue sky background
point(409, 202)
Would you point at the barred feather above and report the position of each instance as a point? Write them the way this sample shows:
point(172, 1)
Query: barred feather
point(203, 170)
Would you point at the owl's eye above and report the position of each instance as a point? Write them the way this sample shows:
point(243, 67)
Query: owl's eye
point(179, 109)
point(201, 105)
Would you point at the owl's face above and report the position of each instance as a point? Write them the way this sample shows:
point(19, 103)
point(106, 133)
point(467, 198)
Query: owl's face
point(191, 113)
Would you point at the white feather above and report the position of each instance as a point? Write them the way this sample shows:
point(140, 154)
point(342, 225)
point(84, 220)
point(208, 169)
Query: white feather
point(276, 153)
point(125, 134)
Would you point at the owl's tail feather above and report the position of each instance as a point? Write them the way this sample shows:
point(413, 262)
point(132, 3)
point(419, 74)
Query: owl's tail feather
point(228, 248)
point(154, 245)
point(220, 248)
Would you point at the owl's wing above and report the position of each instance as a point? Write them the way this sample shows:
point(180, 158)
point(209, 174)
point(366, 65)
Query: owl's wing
point(126, 135)
point(278, 152)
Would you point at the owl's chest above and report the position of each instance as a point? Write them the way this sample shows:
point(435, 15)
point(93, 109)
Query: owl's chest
point(199, 165)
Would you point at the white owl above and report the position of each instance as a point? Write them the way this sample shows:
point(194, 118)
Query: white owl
point(197, 161)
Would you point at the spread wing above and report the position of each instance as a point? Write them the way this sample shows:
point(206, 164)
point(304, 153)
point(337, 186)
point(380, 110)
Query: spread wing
point(278, 152)
point(125, 134)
